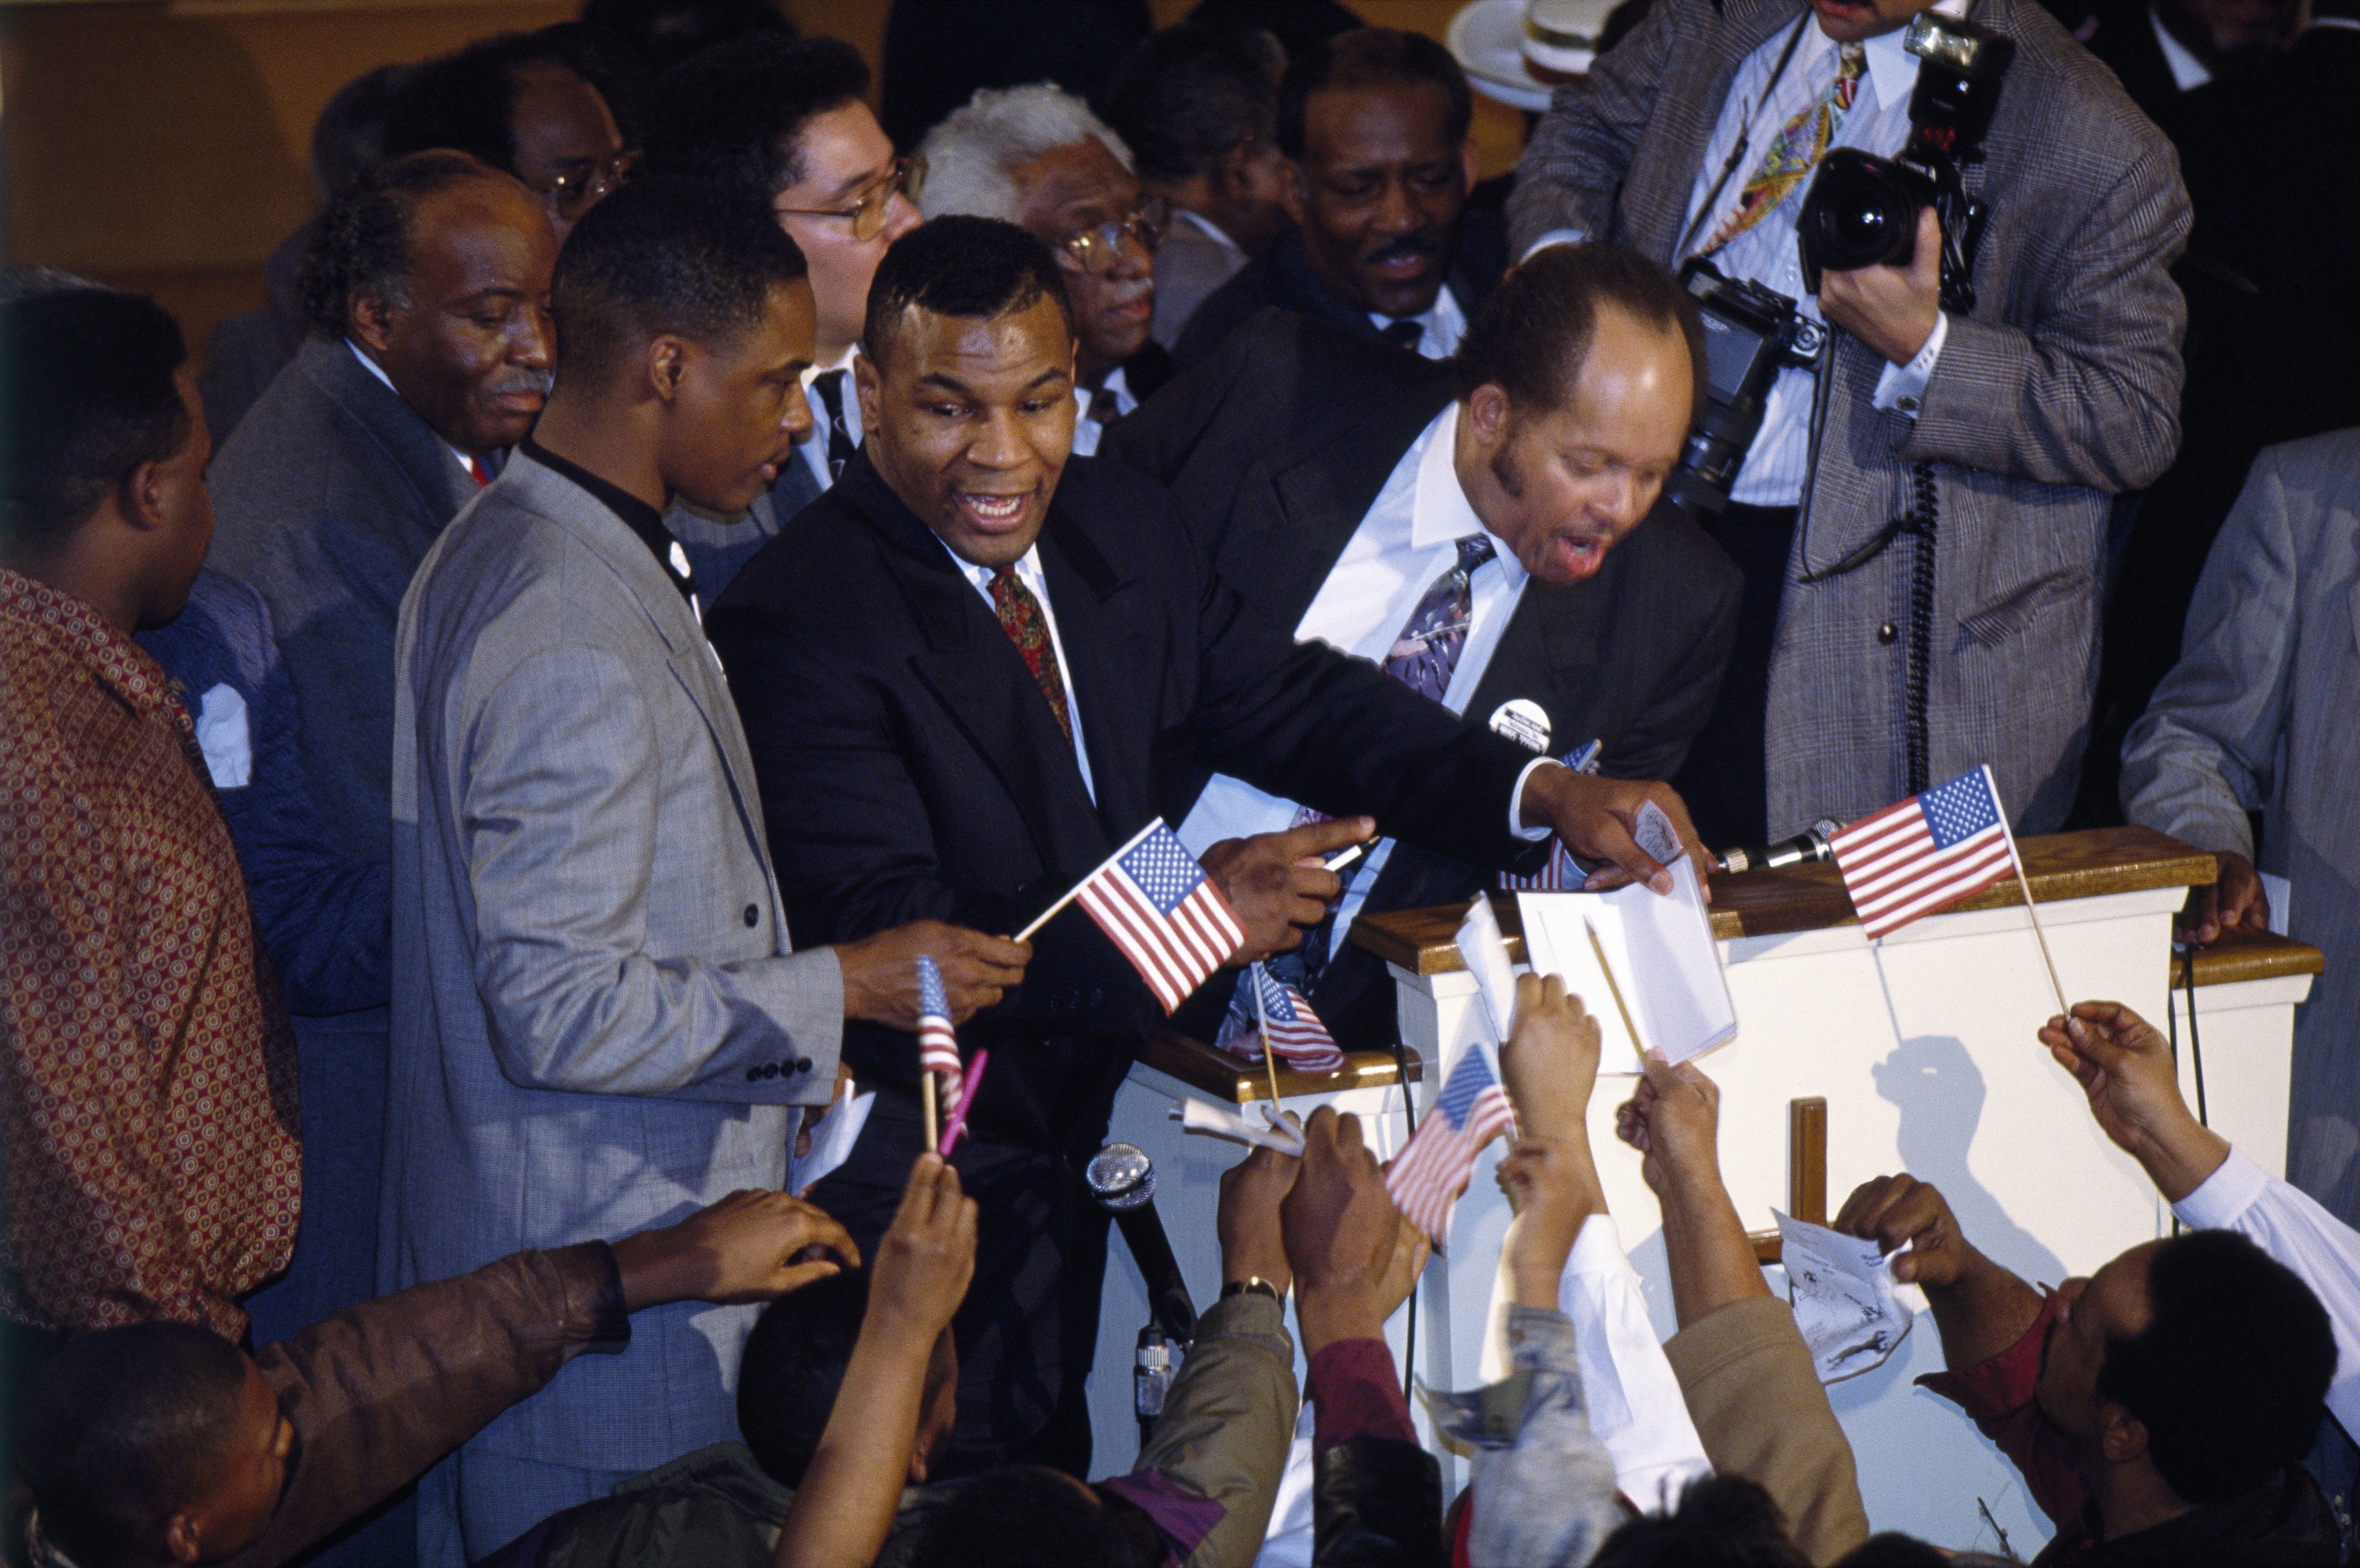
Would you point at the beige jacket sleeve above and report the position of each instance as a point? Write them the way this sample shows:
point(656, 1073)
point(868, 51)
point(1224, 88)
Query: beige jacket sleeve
point(1759, 1408)
point(1228, 1422)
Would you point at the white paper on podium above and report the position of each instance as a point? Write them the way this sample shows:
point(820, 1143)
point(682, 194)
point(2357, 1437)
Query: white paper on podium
point(832, 1140)
point(1661, 946)
point(1843, 1291)
point(1485, 952)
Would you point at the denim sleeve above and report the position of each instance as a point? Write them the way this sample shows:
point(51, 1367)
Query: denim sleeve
point(1544, 1485)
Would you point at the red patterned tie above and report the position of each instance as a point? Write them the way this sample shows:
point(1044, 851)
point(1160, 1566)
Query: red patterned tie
point(1021, 618)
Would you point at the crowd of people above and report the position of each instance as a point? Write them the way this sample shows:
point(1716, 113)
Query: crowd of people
point(486, 759)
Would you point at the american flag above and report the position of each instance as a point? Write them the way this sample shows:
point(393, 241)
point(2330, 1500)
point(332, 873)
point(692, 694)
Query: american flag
point(1154, 902)
point(938, 1046)
point(1427, 1177)
point(1560, 875)
point(1297, 1035)
point(1926, 854)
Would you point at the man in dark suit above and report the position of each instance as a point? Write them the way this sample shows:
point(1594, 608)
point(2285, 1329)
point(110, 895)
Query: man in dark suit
point(1375, 124)
point(781, 122)
point(1333, 479)
point(430, 354)
point(974, 669)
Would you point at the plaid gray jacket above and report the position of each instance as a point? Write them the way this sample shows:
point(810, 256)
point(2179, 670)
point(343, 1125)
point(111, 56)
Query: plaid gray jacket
point(2059, 390)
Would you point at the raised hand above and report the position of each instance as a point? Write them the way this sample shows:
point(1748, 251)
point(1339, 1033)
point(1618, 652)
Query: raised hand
point(1550, 1061)
point(1276, 883)
point(880, 971)
point(1674, 1119)
point(752, 1246)
point(1343, 1237)
point(1895, 1211)
point(924, 1259)
point(1252, 1242)
point(1552, 1200)
point(1595, 818)
point(2124, 1064)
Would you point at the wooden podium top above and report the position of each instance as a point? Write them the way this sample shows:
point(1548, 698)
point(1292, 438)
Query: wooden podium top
point(1811, 897)
point(1239, 1082)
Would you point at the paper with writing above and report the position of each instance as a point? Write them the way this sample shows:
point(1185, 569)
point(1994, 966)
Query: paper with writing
point(1843, 1291)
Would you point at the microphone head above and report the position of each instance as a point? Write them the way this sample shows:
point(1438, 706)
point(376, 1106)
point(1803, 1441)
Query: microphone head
point(1121, 1177)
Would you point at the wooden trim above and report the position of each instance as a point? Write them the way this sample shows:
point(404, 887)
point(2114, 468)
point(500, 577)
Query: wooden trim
point(1806, 1160)
point(1768, 1247)
point(1233, 1079)
point(2085, 865)
point(2251, 955)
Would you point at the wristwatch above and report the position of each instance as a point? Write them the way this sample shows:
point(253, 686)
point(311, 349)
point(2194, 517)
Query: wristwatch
point(1254, 1283)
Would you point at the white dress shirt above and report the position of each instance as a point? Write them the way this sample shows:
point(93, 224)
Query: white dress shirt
point(2323, 1251)
point(2188, 71)
point(1444, 322)
point(1088, 431)
point(814, 446)
point(1027, 572)
point(1409, 537)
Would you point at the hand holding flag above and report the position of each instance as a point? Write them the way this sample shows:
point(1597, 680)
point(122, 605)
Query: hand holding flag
point(1264, 1007)
point(1429, 1175)
point(1154, 902)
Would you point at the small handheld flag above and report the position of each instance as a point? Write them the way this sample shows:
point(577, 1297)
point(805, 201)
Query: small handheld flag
point(1926, 854)
point(1295, 1033)
point(1559, 875)
point(1429, 1175)
point(938, 1046)
point(1156, 904)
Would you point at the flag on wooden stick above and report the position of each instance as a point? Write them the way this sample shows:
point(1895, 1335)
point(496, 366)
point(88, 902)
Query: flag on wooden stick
point(1156, 905)
point(938, 1046)
point(1429, 1175)
point(1926, 854)
point(1297, 1035)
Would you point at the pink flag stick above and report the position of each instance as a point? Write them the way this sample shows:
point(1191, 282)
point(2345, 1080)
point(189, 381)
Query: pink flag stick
point(958, 1117)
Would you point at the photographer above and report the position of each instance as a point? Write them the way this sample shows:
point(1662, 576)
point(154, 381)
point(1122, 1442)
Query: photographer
point(1953, 456)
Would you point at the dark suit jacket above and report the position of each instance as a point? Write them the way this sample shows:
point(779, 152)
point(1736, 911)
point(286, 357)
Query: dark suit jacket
point(909, 767)
point(1277, 447)
point(1281, 276)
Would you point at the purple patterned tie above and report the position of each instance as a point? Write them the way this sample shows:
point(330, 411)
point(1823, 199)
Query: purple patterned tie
point(1428, 649)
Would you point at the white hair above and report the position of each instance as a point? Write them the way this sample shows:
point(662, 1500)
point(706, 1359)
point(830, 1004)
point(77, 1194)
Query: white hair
point(971, 158)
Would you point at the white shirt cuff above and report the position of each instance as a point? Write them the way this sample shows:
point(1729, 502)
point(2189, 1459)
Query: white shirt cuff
point(1554, 237)
point(1516, 802)
point(1902, 389)
point(2224, 1195)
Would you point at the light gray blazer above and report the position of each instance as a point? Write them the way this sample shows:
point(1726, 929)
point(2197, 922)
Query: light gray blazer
point(2061, 389)
point(2259, 715)
point(597, 1024)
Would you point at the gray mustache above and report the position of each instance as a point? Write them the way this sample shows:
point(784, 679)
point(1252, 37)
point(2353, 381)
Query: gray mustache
point(523, 381)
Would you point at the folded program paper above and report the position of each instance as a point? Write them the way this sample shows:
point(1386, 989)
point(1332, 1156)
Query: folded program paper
point(1842, 1292)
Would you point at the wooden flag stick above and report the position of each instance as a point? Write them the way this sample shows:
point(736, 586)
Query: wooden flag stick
point(1612, 989)
point(2017, 860)
point(1075, 890)
point(1262, 1017)
point(927, 1090)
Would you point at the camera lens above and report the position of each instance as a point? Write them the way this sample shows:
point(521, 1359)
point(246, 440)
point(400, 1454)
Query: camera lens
point(1862, 228)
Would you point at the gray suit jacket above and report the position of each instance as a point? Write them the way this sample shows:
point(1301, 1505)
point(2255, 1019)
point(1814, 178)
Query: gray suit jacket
point(2061, 388)
point(2257, 716)
point(1189, 265)
point(599, 1026)
point(717, 546)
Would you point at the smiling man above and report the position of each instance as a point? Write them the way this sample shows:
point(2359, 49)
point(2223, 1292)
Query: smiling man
point(1375, 125)
point(605, 1021)
point(969, 674)
point(1474, 528)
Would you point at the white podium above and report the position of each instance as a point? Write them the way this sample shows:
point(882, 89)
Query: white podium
point(1923, 1049)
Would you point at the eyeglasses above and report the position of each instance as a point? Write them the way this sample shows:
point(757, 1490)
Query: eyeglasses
point(579, 184)
point(866, 214)
point(1095, 249)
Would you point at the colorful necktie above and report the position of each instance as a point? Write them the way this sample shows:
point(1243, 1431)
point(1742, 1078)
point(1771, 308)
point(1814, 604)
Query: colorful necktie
point(830, 387)
point(1021, 618)
point(1428, 649)
point(1797, 151)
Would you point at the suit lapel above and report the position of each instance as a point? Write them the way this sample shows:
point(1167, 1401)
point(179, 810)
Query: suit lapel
point(441, 484)
point(1322, 489)
point(1115, 672)
point(1655, 209)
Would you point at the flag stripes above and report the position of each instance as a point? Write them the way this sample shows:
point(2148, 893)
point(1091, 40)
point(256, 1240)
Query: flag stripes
point(1427, 1176)
point(1924, 853)
point(1154, 902)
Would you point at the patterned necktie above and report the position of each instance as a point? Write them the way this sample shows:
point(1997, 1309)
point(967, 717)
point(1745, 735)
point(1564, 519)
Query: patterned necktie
point(1797, 151)
point(1428, 649)
point(1021, 618)
point(829, 384)
point(1104, 410)
point(1404, 333)
point(1423, 657)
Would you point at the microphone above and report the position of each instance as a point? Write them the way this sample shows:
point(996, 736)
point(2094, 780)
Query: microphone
point(1803, 849)
point(1121, 1179)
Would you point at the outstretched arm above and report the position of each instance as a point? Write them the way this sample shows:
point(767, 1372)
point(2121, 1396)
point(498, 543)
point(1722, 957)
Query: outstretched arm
point(1980, 1307)
point(1674, 1119)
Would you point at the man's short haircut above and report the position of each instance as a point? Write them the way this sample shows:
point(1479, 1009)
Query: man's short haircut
point(1723, 1522)
point(466, 101)
point(349, 135)
point(1185, 95)
point(1372, 57)
point(87, 394)
point(123, 1428)
point(978, 268)
point(1028, 1516)
point(362, 242)
point(663, 255)
point(1532, 334)
point(793, 1368)
point(735, 114)
point(972, 157)
point(2231, 1376)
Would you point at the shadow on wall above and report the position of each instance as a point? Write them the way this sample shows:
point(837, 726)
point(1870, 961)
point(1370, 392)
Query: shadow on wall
point(1939, 1093)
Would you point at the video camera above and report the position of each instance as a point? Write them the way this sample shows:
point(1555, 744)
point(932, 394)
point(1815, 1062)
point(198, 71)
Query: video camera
point(1861, 211)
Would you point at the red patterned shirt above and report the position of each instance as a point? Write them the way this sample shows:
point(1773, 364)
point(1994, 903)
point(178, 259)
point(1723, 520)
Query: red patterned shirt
point(147, 1072)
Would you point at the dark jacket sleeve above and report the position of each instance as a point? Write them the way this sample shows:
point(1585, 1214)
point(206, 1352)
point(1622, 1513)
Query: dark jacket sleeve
point(1376, 1502)
point(1706, 585)
point(1573, 166)
point(380, 1392)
